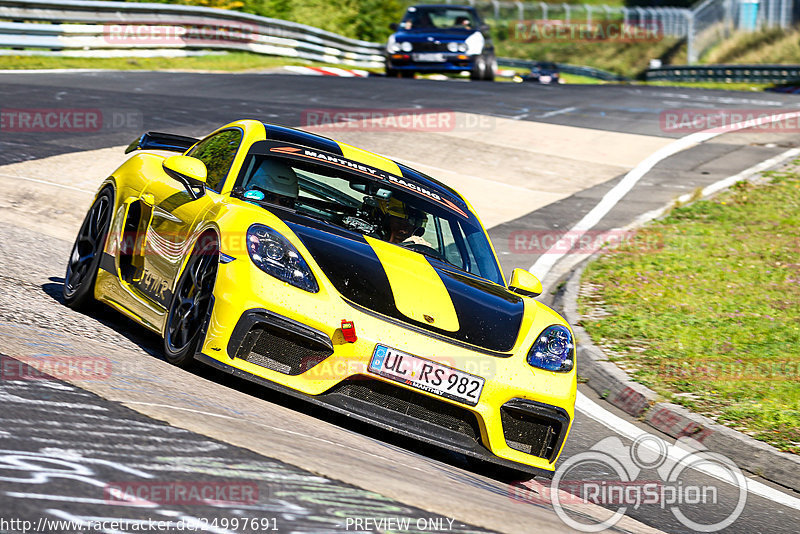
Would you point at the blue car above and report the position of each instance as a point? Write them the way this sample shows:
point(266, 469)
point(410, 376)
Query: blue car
point(441, 39)
point(544, 72)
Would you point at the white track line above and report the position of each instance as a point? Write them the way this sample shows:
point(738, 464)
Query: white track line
point(716, 186)
point(554, 113)
point(548, 260)
point(631, 431)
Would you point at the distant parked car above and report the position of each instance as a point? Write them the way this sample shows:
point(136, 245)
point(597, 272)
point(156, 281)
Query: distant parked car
point(544, 72)
point(441, 39)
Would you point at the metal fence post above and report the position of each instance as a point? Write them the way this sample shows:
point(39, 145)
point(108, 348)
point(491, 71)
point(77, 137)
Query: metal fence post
point(520, 11)
point(566, 12)
point(544, 10)
point(691, 53)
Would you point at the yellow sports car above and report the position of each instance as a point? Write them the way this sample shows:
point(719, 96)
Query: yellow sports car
point(334, 274)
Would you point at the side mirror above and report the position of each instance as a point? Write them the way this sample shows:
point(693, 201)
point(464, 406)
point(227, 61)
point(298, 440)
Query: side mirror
point(525, 283)
point(393, 26)
point(484, 28)
point(189, 171)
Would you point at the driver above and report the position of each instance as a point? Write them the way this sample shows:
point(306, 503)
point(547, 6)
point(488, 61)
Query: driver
point(400, 221)
point(277, 181)
point(463, 22)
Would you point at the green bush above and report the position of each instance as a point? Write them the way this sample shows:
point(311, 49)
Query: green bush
point(360, 19)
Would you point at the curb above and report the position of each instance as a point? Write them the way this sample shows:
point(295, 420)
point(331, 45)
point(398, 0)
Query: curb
point(327, 71)
point(639, 401)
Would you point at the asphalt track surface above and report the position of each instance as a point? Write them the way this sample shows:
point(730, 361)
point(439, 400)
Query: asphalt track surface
point(62, 445)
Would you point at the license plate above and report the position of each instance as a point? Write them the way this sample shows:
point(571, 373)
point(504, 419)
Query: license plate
point(426, 375)
point(432, 57)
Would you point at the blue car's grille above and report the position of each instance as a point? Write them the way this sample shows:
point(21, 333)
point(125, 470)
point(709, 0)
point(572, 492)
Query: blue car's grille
point(429, 46)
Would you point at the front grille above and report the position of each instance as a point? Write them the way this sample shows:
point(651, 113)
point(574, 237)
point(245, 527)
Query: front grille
point(530, 433)
point(281, 351)
point(430, 46)
point(412, 404)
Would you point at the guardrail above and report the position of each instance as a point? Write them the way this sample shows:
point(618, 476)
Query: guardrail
point(78, 27)
point(726, 73)
point(589, 72)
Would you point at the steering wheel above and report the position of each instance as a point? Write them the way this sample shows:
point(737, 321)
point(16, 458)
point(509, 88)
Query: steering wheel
point(424, 249)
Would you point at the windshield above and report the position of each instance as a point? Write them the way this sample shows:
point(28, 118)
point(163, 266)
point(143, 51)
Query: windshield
point(370, 208)
point(439, 18)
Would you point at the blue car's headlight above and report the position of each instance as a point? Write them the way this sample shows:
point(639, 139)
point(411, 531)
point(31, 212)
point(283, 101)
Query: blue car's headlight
point(273, 254)
point(553, 350)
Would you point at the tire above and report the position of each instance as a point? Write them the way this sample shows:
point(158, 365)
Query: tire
point(87, 251)
point(478, 71)
point(391, 73)
point(491, 68)
point(191, 303)
point(406, 74)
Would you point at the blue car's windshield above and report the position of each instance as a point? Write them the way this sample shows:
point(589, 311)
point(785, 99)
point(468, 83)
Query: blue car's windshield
point(438, 17)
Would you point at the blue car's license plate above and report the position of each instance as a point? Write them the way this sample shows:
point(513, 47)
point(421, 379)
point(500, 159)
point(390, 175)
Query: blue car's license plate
point(431, 57)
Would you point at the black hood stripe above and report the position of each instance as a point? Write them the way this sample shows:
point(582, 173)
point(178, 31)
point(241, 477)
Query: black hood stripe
point(488, 316)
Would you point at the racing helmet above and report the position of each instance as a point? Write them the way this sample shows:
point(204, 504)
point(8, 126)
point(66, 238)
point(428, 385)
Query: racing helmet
point(397, 208)
point(275, 177)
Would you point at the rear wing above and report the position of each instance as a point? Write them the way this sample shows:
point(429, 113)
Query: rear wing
point(161, 141)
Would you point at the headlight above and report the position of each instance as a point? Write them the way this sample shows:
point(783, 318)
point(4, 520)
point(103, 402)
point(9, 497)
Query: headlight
point(553, 350)
point(392, 47)
point(452, 46)
point(274, 255)
point(405, 46)
point(462, 47)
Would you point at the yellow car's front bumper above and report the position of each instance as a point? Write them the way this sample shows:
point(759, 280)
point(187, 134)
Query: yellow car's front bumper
point(293, 341)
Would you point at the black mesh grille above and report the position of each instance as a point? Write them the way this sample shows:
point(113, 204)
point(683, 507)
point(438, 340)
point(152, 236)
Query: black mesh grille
point(530, 433)
point(412, 404)
point(281, 351)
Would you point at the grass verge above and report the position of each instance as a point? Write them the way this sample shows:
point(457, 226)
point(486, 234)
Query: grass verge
point(703, 306)
point(225, 62)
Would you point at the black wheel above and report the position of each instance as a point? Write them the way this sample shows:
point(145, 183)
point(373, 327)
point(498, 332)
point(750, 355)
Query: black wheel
point(479, 67)
point(87, 251)
point(191, 303)
point(391, 73)
point(406, 74)
point(491, 68)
